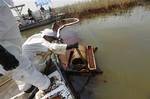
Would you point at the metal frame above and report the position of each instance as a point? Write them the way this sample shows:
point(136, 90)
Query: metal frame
point(18, 9)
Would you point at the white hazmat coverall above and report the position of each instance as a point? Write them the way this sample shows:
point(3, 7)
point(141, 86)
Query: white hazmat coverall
point(10, 39)
point(37, 49)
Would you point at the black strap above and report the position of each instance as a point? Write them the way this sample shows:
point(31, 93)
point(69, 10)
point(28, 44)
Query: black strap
point(7, 60)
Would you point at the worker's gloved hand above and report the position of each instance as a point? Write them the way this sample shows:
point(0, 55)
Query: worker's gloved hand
point(75, 45)
point(60, 39)
point(7, 60)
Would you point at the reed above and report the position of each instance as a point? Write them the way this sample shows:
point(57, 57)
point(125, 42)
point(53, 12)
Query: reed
point(81, 9)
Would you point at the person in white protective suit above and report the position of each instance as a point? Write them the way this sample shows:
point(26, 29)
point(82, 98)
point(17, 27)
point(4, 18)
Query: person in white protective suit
point(39, 47)
point(12, 62)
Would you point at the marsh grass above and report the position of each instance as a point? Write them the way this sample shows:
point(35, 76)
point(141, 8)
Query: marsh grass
point(82, 9)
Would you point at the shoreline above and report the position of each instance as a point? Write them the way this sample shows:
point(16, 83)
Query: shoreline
point(88, 11)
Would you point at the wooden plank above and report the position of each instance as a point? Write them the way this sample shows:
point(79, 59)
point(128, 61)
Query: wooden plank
point(4, 80)
point(91, 58)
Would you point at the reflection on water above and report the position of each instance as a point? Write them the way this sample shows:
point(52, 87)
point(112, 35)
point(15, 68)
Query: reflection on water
point(123, 54)
point(30, 32)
